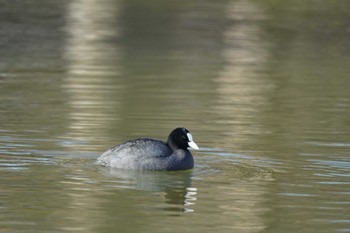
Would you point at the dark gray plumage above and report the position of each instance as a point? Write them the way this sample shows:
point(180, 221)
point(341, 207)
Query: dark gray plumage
point(152, 154)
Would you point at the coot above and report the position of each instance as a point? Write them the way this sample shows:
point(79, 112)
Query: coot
point(152, 154)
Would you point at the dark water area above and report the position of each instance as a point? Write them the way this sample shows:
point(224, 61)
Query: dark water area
point(262, 86)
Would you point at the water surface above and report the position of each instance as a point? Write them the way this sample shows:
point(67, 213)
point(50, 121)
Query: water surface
point(263, 88)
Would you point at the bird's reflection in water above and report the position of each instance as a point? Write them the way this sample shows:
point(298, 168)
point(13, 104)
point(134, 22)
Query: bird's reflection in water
point(176, 186)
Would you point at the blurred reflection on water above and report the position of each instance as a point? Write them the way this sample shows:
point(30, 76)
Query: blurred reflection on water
point(91, 80)
point(263, 87)
point(241, 91)
point(176, 186)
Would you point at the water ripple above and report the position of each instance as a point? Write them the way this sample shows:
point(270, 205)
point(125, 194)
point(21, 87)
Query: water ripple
point(233, 166)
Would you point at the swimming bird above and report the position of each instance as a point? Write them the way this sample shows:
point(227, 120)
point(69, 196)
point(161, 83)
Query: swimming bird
point(152, 154)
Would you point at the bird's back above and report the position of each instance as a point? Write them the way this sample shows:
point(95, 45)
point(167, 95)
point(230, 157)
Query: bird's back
point(135, 153)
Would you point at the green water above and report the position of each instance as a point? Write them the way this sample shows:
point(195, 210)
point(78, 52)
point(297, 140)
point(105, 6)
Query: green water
point(263, 88)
